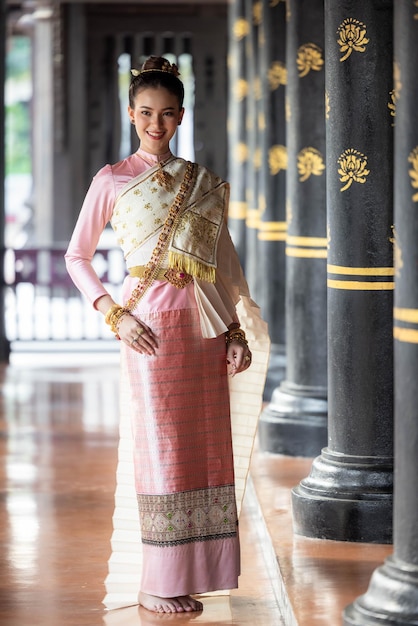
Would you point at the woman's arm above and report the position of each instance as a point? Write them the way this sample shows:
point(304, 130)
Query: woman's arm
point(94, 215)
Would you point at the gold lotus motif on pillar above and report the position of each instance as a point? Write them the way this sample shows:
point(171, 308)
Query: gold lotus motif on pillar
point(309, 58)
point(310, 162)
point(277, 75)
point(241, 152)
point(353, 168)
point(413, 159)
point(392, 105)
point(352, 37)
point(241, 28)
point(277, 159)
point(257, 13)
point(240, 89)
point(397, 252)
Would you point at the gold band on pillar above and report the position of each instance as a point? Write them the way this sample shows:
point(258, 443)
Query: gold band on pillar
point(405, 333)
point(272, 231)
point(307, 247)
point(374, 277)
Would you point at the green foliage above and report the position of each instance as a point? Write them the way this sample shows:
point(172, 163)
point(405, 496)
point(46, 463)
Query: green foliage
point(17, 120)
point(18, 58)
point(18, 158)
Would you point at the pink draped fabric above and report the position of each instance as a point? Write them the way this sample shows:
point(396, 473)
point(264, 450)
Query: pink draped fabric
point(183, 460)
point(178, 406)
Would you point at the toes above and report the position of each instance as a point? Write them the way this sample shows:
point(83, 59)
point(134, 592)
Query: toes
point(180, 604)
point(171, 606)
point(189, 604)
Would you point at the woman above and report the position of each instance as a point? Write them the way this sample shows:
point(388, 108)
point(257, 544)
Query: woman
point(179, 332)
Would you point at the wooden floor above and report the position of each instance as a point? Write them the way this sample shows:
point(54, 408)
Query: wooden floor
point(58, 427)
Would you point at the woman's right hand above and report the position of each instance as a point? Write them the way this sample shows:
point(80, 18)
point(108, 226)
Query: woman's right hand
point(137, 335)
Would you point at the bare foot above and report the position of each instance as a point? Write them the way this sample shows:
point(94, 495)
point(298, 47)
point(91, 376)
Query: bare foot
point(181, 604)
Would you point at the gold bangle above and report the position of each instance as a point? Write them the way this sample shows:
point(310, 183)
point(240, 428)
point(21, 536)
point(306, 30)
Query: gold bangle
point(235, 332)
point(110, 312)
point(236, 335)
point(113, 317)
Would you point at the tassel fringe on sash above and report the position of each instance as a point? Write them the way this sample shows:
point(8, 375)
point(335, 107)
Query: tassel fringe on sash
point(197, 269)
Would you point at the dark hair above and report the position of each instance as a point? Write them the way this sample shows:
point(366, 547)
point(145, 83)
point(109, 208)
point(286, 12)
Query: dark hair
point(156, 72)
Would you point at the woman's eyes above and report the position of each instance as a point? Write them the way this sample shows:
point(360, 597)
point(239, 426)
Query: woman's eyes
point(166, 113)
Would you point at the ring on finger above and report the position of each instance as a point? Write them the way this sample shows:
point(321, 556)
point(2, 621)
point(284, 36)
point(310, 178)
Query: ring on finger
point(140, 331)
point(134, 341)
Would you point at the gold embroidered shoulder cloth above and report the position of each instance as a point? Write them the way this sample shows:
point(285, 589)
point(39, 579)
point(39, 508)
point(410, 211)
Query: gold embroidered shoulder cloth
point(143, 204)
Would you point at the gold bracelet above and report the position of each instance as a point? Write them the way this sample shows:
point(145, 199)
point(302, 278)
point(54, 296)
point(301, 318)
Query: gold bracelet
point(110, 312)
point(236, 335)
point(113, 317)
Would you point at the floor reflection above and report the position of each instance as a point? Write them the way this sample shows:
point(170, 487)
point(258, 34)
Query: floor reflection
point(217, 610)
point(58, 447)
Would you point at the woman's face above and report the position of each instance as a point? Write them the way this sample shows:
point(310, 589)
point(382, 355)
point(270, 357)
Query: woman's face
point(156, 116)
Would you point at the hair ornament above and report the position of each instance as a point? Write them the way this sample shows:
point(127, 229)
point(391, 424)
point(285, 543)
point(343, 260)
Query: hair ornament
point(167, 67)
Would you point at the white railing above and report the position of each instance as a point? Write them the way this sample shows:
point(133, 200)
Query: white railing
point(43, 305)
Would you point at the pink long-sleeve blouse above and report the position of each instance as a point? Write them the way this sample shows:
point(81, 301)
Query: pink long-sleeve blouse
point(216, 302)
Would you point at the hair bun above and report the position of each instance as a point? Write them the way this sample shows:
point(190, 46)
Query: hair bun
point(157, 64)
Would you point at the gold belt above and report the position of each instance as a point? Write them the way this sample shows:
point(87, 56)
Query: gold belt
point(176, 277)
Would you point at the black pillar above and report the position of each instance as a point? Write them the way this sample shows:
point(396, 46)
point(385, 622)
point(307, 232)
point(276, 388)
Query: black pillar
point(392, 597)
point(253, 269)
point(295, 421)
point(348, 494)
point(239, 29)
point(4, 344)
point(272, 224)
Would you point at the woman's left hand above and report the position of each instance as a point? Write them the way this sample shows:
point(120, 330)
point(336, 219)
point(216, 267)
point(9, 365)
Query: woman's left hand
point(238, 357)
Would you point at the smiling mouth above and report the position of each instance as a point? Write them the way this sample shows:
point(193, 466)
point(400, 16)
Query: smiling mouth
point(156, 135)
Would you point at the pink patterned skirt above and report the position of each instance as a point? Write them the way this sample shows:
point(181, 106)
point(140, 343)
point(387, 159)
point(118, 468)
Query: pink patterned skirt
point(183, 459)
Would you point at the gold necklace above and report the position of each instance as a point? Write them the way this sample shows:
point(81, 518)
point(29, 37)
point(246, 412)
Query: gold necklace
point(165, 179)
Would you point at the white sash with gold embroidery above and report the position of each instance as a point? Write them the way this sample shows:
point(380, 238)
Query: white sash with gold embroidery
point(143, 204)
